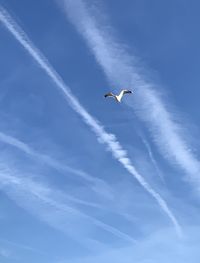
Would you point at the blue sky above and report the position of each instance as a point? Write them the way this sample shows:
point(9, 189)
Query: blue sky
point(82, 178)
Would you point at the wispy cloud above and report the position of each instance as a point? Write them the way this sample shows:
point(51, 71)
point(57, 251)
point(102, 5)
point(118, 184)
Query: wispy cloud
point(161, 246)
point(51, 205)
point(21, 246)
point(122, 71)
point(98, 185)
point(109, 140)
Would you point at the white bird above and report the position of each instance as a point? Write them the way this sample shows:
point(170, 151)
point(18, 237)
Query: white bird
point(118, 97)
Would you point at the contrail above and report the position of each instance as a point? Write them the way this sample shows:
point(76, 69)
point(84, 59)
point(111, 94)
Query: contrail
point(106, 138)
point(22, 246)
point(22, 189)
point(147, 146)
point(121, 70)
point(98, 185)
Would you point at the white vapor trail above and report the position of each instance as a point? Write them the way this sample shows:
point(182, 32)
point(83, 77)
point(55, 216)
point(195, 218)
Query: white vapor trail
point(108, 139)
point(122, 71)
point(98, 185)
point(152, 158)
point(39, 199)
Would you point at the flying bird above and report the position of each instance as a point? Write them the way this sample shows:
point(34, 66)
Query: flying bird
point(118, 97)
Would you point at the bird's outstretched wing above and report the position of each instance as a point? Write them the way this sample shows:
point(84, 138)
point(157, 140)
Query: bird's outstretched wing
point(127, 91)
point(109, 94)
point(121, 94)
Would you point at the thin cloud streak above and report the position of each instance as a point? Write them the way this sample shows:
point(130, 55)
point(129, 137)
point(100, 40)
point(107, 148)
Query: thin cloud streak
point(153, 161)
point(122, 71)
point(21, 246)
point(98, 185)
point(108, 139)
point(28, 193)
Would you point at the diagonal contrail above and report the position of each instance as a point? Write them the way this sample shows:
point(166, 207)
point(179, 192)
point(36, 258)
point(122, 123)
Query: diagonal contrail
point(153, 161)
point(98, 185)
point(22, 189)
point(122, 71)
point(108, 139)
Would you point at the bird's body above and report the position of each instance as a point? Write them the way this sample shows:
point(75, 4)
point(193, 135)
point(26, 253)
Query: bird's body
point(118, 98)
